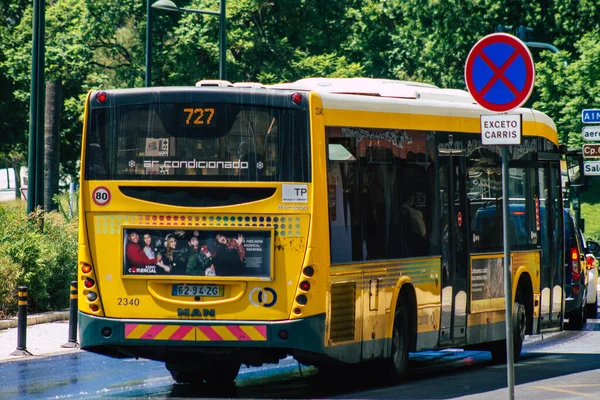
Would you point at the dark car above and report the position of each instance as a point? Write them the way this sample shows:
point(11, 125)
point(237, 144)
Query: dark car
point(575, 273)
point(591, 258)
point(487, 227)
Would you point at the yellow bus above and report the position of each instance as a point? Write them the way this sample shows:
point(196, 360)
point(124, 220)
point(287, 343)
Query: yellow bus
point(333, 220)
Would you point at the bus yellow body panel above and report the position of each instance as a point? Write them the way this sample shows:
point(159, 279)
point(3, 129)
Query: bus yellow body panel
point(336, 275)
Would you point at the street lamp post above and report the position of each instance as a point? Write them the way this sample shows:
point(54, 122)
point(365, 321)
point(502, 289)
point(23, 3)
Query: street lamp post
point(148, 43)
point(35, 172)
point(168, 5)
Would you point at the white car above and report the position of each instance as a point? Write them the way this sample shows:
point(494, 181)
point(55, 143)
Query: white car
point(592, 253)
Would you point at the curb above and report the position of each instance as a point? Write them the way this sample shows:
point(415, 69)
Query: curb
point(35, 319)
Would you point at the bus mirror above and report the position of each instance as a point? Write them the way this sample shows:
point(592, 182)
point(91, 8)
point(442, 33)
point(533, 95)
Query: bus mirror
point(574, 167)
point(594, 247)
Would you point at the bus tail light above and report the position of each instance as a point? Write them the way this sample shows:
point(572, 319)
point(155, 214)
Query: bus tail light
point(296, 98)
point(89, 295)
point(92, 298)
point(575, 275)
point(101, 96)
point(304, 286)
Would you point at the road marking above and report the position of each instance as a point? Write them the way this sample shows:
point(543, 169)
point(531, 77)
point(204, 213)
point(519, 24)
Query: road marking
point(583, 385)
point(555, 389)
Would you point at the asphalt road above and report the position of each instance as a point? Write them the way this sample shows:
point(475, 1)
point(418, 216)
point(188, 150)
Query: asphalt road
point(563, 365)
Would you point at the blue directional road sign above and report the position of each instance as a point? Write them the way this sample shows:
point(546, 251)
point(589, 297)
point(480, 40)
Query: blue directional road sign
point(590, 116)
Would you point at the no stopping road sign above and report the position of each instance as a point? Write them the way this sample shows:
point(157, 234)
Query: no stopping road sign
point(499, 72)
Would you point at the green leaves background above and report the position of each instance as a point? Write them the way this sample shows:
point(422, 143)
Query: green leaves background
point(101, 44)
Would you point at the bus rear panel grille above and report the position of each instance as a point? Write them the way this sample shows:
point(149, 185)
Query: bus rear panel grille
point(343, 308)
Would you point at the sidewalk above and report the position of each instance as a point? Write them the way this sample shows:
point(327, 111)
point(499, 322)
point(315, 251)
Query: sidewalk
point(45, 335)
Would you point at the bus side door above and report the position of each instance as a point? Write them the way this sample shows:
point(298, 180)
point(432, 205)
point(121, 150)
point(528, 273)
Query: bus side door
point(455, 258)
point(552, 273)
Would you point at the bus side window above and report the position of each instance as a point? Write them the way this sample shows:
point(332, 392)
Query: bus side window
point(485, 200)
point(342, 191)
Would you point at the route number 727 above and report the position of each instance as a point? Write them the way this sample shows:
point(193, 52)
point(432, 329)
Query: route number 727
point(199, 116)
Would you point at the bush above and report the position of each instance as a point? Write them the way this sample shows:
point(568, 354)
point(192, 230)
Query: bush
point(38, 251)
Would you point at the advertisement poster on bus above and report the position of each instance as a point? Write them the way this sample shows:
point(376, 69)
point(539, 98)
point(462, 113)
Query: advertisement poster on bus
point(487, 283)
point(241, 253)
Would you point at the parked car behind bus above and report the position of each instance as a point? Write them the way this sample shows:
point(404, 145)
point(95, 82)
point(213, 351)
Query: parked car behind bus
point(591, 258)
point(575, 273)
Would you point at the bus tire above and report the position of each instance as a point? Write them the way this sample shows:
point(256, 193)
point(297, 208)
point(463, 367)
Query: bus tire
point(592, 310)
point(577, 317)
point(218, 373)
point(397, 364)
point(498, 349)
point(222, 374)
point(183, 374)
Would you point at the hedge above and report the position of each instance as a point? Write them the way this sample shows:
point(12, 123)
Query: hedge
point(39, 251)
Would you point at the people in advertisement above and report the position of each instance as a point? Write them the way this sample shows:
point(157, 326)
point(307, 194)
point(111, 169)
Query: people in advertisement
point(197, 253)
point(230, 255)
point(136, 255)
point(210, 271)
point(199, 258)
point(171, 256)
point(149, 249)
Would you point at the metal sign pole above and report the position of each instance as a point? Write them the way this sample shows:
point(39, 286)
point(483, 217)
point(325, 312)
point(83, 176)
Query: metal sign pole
point(510, 361)
point(502, 130)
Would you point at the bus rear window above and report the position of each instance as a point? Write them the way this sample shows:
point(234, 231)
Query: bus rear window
point(200, 141)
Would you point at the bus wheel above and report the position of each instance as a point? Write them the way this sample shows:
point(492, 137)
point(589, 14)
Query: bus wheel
point(183, 374)
point(397, 364)
point(498, 349)
point(222, 373)
point(519, 327)
point(577, 317)
point(592, 310)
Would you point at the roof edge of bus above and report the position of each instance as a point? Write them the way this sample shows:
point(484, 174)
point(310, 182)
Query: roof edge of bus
point(377, 87)
point(249, 85)
point(214, 83)
point(543, 118)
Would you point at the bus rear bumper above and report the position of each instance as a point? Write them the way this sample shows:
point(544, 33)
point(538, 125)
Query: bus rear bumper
point(158, 339)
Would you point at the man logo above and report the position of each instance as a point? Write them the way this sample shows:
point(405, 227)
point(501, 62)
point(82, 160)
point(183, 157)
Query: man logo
point(265, 297)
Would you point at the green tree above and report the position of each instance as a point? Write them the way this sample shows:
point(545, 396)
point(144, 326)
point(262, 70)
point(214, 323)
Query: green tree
point(565, 90)
point(13, 119)
point(267, 41)
point(93, 44)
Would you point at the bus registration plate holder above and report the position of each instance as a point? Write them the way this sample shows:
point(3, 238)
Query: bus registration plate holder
point(197, 290)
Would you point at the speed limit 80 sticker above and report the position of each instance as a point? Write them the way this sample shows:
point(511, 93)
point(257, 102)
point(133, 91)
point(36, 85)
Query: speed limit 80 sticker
point(101, 195)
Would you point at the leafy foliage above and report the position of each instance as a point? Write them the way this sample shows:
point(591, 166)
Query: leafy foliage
point(44, 259)
point(565, 90)
point(91, 44)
